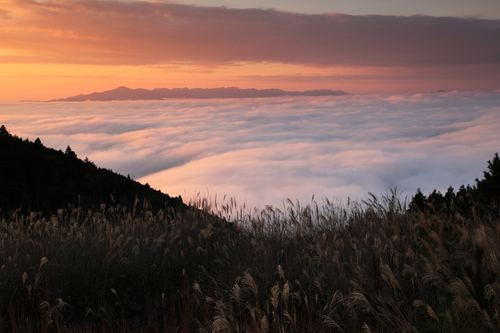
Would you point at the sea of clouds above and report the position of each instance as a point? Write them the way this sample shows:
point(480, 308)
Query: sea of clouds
point(263, 151)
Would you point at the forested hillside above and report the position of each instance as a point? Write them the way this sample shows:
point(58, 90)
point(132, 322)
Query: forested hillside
point(37, 178)
point(479, 196)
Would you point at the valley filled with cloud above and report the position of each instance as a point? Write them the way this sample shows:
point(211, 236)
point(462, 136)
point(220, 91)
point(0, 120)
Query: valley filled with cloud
point(264, 150)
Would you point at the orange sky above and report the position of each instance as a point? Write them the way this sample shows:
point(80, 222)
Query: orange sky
point(53, 49)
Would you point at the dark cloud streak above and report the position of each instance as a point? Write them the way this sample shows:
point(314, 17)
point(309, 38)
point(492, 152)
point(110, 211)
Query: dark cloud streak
point(140, 33)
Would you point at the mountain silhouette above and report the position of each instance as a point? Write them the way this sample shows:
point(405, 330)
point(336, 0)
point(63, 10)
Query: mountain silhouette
point(124, 94)
point(36, 178)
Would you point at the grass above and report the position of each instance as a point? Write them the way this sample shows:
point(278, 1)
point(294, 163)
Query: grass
point(371, 266)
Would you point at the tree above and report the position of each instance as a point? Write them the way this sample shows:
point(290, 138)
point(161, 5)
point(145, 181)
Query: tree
point(436, 200)
point(489, 188)
point(450, 195)
point(38, 142)
point(86, 160)
point(3, 130)
point(449, 198)
point(419, 201)
point(69, 152)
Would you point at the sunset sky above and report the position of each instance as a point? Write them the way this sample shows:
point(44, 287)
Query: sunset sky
point(58, 48)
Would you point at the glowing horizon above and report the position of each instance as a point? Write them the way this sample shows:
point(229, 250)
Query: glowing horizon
point(59, 48)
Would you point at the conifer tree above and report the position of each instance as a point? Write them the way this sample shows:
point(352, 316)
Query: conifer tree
point(69, 152)
point(3, 130)
point(489, 187)
point(419, 201)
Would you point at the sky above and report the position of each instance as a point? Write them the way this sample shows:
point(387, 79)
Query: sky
point(262, 151)
point(58, 48)
point(489, 9)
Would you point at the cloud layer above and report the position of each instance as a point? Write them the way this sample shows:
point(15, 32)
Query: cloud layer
point(263, 151)
point(143, 32)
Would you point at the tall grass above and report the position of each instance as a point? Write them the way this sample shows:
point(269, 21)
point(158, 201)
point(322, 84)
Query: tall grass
point(371, 266)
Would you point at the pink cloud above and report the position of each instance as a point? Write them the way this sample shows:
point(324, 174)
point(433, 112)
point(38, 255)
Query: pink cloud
point(140, 32)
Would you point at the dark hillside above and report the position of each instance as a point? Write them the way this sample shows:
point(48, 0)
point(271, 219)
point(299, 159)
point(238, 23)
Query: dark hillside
point(469, 200)
point(37, 178)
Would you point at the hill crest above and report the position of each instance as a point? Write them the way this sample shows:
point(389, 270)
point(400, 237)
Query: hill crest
point(36, 178)
point(123, 93)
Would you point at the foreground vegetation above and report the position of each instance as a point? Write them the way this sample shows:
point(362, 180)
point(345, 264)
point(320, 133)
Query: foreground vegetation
point(381, 265)
point(363, 267)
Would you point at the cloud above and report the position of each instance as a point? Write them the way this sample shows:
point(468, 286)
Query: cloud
point(265, 150)
point(143, 32)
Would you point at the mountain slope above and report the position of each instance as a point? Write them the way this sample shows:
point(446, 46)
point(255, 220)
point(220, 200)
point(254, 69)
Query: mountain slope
point(36, 178)
point(124, 93)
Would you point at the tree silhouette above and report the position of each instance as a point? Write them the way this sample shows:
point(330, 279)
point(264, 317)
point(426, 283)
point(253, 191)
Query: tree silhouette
point(3, 130)
point(69, 152)
point(489, 187)
point(419, 201)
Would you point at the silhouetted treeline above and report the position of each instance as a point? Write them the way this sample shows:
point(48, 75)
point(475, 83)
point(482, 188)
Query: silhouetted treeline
point(481, 196)
point(37, 178)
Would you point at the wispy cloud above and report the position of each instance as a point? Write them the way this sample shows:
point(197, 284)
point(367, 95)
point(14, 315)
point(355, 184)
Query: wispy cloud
point(144, 32)
point(267, 150)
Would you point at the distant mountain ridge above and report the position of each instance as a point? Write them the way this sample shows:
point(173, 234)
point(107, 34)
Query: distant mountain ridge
point(124, 94)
